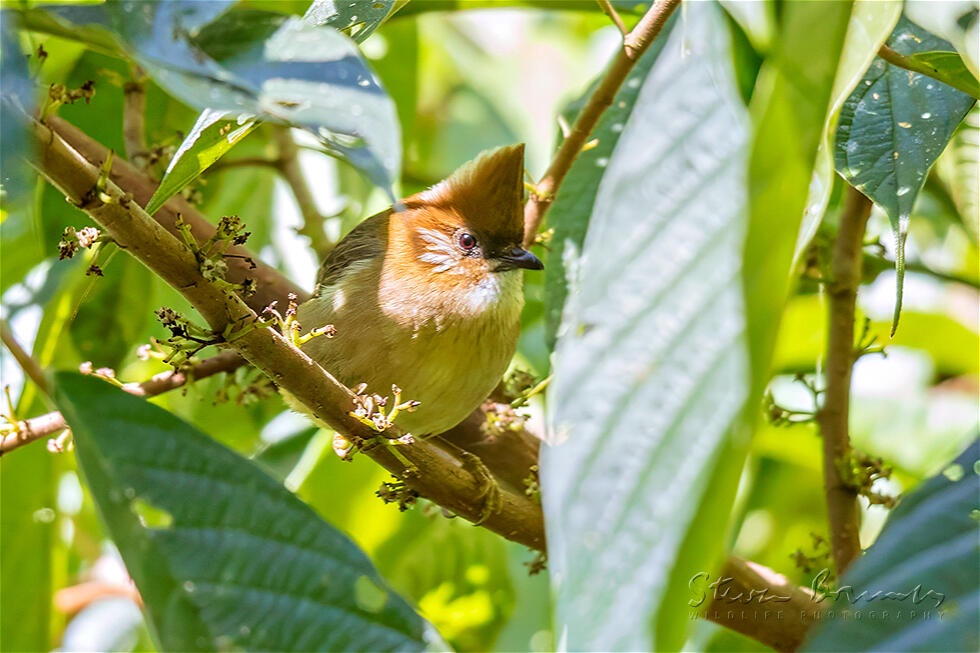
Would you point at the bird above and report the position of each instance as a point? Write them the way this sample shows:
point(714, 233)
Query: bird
point(425, 297)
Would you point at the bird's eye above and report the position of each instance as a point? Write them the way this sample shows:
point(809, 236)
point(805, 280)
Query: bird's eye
point(466, 241)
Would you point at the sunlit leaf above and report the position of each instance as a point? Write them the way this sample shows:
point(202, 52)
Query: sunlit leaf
point(870, 24)
point(223, 555)
point(573, 206)
point(302, 74)
point(210, 138)
point(357, 19)
point(892, 129)
point(928, 551)
point(949, 67)
point(651, 367)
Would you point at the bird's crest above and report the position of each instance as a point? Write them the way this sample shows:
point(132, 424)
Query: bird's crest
point(486, 192)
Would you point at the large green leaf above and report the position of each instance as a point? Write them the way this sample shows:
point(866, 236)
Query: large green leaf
point(870, 24)
point(790, 112)
point(302, 74)
point(211, 137)
point(572, 209)
point(928, 552)
point(223, 555)
point(651, 369)
point(892, 129)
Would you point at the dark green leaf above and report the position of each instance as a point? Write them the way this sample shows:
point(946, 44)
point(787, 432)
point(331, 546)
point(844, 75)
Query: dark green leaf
point(892, 129)
point(17, 100)
point(651, 368)
point(223, 556)
point(572, 208)
point(357, 19)
point(927, 552)
point(210, 138)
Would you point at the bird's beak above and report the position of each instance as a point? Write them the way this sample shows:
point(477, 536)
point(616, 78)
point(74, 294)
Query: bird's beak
point(518, 258)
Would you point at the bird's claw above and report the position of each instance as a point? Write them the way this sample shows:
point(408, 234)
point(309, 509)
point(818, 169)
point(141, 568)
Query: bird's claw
point(489, 490)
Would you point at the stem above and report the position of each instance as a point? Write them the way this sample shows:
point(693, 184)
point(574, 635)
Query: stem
point(610, 11)
point(30, 367)
point(841, 496)
point(291, 171)
point(634, 45)
point(903, 61)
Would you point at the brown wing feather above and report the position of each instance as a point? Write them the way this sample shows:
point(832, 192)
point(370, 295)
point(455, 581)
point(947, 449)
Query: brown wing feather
point(365, 241)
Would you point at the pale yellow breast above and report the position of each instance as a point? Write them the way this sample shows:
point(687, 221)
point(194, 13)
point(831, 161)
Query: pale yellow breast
point(449, 360)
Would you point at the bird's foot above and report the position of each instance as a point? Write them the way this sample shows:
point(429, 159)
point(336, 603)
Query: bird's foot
point(489, 491)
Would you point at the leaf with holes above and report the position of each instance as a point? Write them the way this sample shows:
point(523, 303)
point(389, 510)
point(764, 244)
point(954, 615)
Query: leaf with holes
point(892, 129)
point(211, 137)
point(651, 368)
point(223, 555)
point(926, 560)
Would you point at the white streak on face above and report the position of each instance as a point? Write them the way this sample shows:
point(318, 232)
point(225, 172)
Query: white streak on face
point(339, 299)
point(439, 250)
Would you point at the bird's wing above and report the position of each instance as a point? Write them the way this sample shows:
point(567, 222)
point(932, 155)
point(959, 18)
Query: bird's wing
point(367, 240)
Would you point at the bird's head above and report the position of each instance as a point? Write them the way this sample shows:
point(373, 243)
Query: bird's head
point(470, 225)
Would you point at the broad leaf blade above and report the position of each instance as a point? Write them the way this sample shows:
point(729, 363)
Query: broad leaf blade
point(572, 209)
point(949, 67)
point(650, 369)
point(892, 129)
point(929, 542)
point(210, 138)
point(301, 75)
point(870, 24)
point(223, 556)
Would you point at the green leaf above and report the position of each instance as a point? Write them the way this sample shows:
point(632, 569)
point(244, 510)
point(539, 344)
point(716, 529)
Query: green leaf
point(790, 112)
point(357, 19)
point(892, 129)
point(210, 138)
point(949, 68)
point(928, 548)
point(223, 556)
point(870, 24)
point(573, 206)
point(651, 368)
point(301, 75)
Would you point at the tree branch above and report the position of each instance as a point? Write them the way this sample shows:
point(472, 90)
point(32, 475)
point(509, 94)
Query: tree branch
point(313, 220)
point(30, 367)
point(762, 604)
point(436, 475)
point(610, 11)
point(36, 428)
point(442, 478)
point(841, 496)
point(634, 45)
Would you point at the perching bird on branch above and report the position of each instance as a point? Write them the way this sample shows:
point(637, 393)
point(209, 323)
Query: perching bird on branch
point(428, 298)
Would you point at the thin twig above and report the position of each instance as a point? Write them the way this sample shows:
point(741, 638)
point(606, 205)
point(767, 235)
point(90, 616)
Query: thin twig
point(610, 11)
point(903, 61)
point(245, 162)
point(292, 172)
point(30, 366)
point(49, 424)
point(634, 44)
point(841, 495)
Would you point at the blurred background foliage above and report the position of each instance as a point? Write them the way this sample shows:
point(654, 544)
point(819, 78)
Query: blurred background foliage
point(462, 81)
